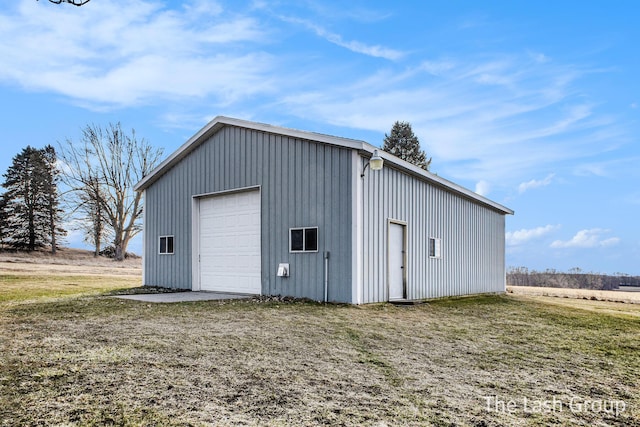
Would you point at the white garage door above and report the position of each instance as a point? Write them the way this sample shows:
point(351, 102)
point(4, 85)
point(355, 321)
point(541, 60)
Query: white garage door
point(230, 243)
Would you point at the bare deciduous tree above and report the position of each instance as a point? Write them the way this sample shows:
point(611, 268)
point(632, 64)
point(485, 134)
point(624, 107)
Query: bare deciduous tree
point(101, 172)
point(73, 2)
point(87, 207)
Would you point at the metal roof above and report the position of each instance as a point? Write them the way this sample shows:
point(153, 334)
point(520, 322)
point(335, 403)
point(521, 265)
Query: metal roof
point(219, 122)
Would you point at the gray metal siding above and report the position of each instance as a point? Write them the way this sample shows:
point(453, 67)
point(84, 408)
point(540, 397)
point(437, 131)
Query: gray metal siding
point(472, 236)
point(302, 184)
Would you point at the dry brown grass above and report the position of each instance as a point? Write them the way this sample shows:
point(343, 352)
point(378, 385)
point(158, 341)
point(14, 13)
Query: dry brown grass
point(96, 360)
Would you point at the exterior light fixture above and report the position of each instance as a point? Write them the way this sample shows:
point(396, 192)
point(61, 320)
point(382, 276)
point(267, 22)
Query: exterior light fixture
point(375, 162)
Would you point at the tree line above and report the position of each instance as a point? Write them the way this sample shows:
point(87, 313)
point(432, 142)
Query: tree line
point(574, 279)
point(90, 181)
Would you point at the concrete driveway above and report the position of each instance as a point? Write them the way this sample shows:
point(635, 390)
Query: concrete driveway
point(182, 296)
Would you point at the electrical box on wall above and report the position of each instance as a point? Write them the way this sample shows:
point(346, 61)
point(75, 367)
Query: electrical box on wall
point(283, 270)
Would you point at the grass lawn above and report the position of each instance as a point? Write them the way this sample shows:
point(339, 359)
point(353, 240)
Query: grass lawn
point(75, 357)
point(22, 287)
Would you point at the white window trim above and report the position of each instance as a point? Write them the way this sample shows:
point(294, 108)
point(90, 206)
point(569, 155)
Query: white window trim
point(303, 240)
point(437, 248)
point(160, 245)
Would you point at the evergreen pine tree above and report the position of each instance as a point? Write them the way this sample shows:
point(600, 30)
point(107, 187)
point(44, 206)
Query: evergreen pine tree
point(31, 207)
point(403, 143)
point(50, 177)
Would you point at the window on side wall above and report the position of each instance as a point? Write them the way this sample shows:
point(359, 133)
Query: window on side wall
point(303, 239)
point(435, 247)
point(166, 245)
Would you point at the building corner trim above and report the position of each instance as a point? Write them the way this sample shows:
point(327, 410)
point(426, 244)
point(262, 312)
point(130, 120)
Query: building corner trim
point(356, 229)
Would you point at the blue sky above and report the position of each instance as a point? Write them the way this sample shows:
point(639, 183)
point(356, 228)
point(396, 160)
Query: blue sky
point(532, 104)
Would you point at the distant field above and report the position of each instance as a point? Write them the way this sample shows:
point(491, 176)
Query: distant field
point(629, 288)
point(80, 358)
point(67, 261)
point(26, 276)
point(591, 294)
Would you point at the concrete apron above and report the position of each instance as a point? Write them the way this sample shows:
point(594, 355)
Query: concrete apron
point(182, 296)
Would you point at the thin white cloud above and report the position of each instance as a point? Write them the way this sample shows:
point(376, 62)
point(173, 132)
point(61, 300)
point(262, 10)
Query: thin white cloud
point(589, 238)
point(595, 169)
point(519, 237)
point(203, 7)
point(153, 77)
point(437, 68)
point(539, 57)
point(125, 53)
point(359, 47)
point(473, 21)
point(626, 166)
point(376, 51)
point(534, 183)
point(495, 119)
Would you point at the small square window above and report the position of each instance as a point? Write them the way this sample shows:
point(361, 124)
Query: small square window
point(166, 245)
point(435, 246)
point(297, 240)
point(303, 239)
point(311, 239)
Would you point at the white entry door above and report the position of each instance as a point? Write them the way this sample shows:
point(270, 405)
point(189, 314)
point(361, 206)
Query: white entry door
point(230, 258)
point(396, 261)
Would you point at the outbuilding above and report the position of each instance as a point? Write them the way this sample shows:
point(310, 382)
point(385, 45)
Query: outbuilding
point(251, 208)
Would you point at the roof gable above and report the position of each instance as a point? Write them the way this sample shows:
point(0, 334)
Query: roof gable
point(219, 122)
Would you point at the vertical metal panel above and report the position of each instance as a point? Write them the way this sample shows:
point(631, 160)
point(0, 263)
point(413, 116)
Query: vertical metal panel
point(302, 184)
point(472, 236)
